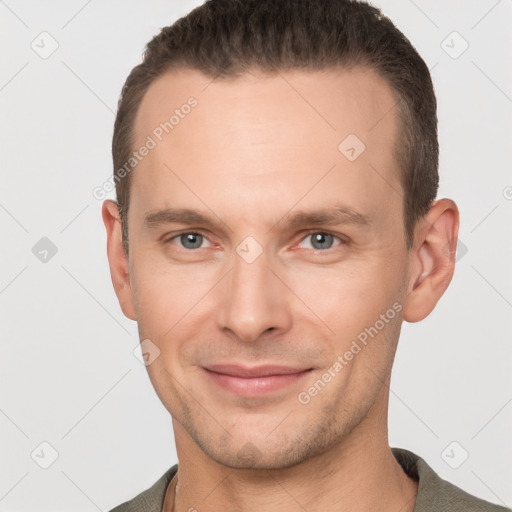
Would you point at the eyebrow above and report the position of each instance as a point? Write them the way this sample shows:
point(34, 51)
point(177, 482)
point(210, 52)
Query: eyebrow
point(179, 216)
point(337, 214)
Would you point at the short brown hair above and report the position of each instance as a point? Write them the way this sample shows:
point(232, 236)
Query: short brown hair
point(224, 38)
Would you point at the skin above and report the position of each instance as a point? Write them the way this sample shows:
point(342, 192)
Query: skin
point(253, 153)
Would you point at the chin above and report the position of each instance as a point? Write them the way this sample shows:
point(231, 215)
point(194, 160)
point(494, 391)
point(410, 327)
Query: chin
point(257, 450)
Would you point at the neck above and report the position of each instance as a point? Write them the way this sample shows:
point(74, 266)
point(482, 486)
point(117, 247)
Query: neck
point(359, 473)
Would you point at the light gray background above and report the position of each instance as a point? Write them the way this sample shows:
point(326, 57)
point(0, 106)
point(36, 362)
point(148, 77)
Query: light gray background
point(68, 373)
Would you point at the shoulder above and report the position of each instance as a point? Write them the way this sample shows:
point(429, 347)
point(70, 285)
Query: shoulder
point(436, 494)
point(150, 500)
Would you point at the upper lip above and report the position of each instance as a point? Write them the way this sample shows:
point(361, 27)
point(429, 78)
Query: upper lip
point(254, 371)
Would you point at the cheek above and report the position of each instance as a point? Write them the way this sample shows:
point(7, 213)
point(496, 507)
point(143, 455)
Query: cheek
point(165, 295)
point(351, 297)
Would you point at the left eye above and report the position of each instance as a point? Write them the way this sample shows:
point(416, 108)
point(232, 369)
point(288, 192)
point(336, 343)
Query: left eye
point(320, 241)
point(190, 240)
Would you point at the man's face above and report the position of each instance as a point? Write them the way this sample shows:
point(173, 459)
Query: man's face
point(301, 251)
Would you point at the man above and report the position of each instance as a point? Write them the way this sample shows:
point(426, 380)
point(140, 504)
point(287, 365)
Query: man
point(276, 172)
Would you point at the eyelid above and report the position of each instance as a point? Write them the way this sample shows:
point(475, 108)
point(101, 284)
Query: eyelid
point(166, 238)
point(342, 239)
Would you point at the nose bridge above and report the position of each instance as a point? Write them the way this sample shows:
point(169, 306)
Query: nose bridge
point(253, 299)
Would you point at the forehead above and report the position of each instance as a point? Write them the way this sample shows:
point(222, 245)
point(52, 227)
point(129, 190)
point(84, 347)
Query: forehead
point(332, 101)
point(271, 133)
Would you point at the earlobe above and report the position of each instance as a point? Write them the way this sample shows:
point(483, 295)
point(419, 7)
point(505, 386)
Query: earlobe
point(432, 259)
point(117, 258)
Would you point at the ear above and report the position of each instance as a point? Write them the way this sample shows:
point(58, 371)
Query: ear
point(118, 261)
point(432, 259)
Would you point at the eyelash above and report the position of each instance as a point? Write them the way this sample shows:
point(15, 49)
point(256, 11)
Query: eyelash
point(342, 240)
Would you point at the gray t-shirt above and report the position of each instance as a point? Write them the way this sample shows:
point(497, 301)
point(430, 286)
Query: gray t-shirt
point(434, 493)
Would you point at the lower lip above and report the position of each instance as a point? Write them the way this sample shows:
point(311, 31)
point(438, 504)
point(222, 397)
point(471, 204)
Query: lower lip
point(255, 386)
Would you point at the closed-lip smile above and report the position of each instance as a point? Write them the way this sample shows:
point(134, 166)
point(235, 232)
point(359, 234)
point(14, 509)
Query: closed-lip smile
point(256, 380)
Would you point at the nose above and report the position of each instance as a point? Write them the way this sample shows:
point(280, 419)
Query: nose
point(254, 301)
